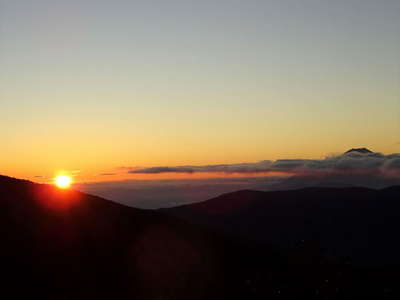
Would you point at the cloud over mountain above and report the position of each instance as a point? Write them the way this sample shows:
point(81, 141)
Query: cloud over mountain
point(356, 167)
point(354, 160)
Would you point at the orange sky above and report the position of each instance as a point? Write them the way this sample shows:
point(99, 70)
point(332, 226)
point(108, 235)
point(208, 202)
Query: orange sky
point(96, 87)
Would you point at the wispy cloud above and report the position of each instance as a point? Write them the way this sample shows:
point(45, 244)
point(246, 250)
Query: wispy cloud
point(127, 168)
point(262, 166)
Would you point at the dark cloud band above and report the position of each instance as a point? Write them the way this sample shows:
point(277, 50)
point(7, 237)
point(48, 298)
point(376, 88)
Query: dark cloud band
point(369, 162)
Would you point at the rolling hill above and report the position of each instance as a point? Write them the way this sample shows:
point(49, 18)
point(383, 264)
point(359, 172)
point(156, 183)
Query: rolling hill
point(359, 224)
point(63, 244)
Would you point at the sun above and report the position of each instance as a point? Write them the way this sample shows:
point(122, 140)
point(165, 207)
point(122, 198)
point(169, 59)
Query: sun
point(63, 181)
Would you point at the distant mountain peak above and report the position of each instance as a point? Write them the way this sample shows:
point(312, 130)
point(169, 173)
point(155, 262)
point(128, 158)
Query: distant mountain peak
point(359, 150)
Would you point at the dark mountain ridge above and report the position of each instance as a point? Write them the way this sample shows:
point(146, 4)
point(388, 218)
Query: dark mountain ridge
point(357, 223)
point(359, 150)
point(62, 244)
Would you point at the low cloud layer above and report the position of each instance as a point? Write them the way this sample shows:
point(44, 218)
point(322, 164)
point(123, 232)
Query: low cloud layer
point(366, 169)
point(150, 194)
point(349, 162)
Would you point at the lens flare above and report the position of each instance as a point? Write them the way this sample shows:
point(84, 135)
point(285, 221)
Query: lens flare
point(63, 181)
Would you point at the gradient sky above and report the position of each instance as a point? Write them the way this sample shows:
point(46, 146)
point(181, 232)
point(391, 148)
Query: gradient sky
point(91, 85)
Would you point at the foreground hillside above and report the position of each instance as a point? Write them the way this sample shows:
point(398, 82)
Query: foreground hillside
point(358, 224)
point(58, 244)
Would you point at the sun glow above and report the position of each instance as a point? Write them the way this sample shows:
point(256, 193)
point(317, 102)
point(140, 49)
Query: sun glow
point(63, 181)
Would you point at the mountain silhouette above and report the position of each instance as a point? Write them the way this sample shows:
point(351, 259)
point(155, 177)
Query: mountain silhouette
point(359, 150)
point(358, 223)
point(63, 244)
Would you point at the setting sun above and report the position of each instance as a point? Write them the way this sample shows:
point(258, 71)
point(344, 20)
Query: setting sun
point(63, 181)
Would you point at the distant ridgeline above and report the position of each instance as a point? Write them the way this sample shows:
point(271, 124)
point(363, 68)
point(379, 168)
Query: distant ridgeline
point(359, 150)
point(338, 220)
